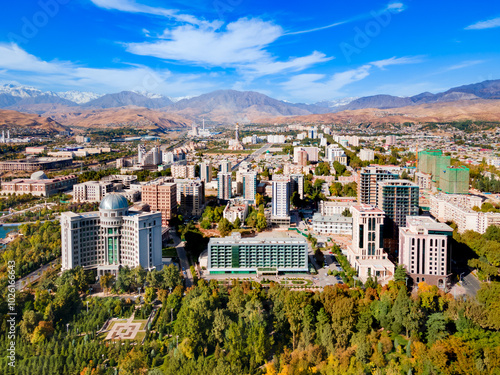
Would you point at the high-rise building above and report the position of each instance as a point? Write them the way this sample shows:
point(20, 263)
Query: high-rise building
point(281, 202)
point(206, 172)
point(161, 196)
point(249, 186)
point(366, 254)
point(112, 238)
point(225, 166)
point(398, 199)
point(454, 180)
point(301, 157)
point(312, 153)
point(152, 157)
point(424, 250)
point(297, 184)
point(367, 186)
point(224, 186)
point(141, 151)
point(433, 161)
point(190, 196)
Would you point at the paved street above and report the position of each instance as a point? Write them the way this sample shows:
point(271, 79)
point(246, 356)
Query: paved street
point(181, 253)
point(34, 208)
point(253, 155)
point(35, 275)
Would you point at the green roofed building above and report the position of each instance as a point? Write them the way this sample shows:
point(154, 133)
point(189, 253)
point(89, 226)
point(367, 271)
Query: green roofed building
point(257, 255)
point(454, 180)
point(433, 161)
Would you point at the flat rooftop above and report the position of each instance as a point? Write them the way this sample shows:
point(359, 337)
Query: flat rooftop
point(427, 223)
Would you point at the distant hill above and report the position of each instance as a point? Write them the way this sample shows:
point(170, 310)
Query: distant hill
point(115, 117)
point(477, 110)
point(127, 98)
point(10, 118)
point(225, 106)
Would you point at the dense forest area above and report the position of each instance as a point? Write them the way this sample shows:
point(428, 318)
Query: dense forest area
point(246, 328)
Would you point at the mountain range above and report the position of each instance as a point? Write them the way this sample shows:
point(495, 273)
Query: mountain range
point(222, 106)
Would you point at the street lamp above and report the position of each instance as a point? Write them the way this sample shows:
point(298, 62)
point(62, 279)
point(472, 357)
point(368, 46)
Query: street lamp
point(461, 278)
point(87, 307)
point(67, 328)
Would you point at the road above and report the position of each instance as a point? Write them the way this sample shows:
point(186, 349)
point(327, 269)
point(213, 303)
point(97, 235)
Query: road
point(253, 155)
point(181, 253)
point(34, 208)
point(35, 275)
point(470, 283)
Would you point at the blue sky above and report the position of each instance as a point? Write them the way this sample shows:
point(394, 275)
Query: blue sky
point(297, 51)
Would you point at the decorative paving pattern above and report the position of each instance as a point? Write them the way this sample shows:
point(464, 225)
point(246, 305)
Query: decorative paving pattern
point(121, 330)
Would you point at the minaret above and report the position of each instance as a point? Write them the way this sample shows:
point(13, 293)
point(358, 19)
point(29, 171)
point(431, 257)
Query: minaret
point(237, 133)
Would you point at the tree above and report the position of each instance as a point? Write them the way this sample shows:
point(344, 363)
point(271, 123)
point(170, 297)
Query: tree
point(259, 199)
point(106, 281)
point(322, 169)
point(436, 327)
point(133, 363)
point(150, 295)
point(261, 222)
point(171, 277)
point(224, 227)
point(237, 223)
point(400, 274)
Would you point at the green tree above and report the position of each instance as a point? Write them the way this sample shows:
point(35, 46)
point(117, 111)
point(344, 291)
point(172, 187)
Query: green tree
point(150, 295)
point(261, 222)
point(224, 227)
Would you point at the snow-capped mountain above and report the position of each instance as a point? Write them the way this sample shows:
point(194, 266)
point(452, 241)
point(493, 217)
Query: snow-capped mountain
point(78, 97)
point(20, 91)
point(336, 103)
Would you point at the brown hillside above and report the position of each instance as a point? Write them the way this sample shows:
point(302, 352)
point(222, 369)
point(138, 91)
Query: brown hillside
point(477, 110)
point(117, 117)
point(10, 118)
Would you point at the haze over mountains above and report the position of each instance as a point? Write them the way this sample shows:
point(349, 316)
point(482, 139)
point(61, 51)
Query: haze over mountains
point(222, 106)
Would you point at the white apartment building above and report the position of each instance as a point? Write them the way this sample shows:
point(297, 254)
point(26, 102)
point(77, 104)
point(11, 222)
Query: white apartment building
point(112, 238)
point(423, 180)
point(366, 254)
point(249, 186)
point(91, 191)
point(225, 166)
point(183, 171)
point(281, 202)
point(327, 208)
point(424, 250)
point(457, 208)
point(366, 154)
point(332, 224)
point(236, 209)
point(206, 172)
point(224, 186)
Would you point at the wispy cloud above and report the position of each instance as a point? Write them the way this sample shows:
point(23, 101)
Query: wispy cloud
point(488, 24)
point(464, 64)
point(131, 6)
point(397, 61)
point(394, 7)
point(18, 65)
point(321, 86)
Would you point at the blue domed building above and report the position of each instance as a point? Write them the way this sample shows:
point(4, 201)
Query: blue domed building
point(111, 238)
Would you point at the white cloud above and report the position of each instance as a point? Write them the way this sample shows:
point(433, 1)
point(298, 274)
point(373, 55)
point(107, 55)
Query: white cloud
point(464, 64)
point(397, 61)
point(240, 44)
point(488, 24)
point(318, 86)
point(16, 64)
point(131, 6)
